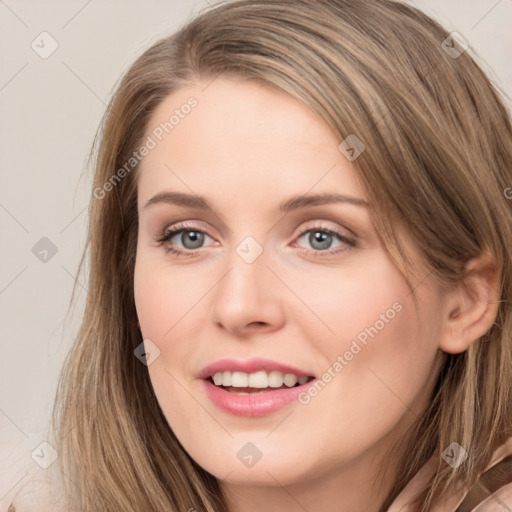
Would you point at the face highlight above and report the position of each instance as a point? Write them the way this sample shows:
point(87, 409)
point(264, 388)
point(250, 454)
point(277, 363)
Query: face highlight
point(234, 262)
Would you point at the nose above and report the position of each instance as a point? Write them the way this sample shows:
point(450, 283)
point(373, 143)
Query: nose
point(248, 298)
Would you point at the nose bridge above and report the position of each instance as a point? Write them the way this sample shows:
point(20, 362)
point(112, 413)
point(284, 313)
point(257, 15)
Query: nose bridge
point(247, 293)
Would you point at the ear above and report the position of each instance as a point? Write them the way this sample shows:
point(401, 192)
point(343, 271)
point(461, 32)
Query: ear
point(471, 307)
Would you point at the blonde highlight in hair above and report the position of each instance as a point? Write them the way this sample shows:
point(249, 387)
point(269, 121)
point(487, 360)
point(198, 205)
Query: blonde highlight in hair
point(438, 158)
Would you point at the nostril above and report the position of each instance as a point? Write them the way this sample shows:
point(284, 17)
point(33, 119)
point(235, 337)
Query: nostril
point(258, 323)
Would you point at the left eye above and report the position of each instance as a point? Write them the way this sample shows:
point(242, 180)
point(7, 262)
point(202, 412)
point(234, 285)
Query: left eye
point(321, 239)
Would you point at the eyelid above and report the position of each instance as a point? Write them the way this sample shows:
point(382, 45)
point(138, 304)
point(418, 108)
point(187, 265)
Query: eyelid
point(326, 216)
point(173, 229)
point(322, 225)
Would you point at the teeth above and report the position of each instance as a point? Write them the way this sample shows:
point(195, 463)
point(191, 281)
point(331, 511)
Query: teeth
point(258, 380)
point(238, 379)
point(261, 379)
point(226, 378)
point(275, 379)
point(290, 380)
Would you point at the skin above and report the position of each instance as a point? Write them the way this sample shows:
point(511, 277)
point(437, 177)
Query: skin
point(247, 148)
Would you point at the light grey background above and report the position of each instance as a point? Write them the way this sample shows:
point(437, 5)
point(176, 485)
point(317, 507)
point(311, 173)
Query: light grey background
point(50, 109)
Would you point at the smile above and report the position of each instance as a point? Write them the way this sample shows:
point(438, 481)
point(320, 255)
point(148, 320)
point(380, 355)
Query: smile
point(257, 387)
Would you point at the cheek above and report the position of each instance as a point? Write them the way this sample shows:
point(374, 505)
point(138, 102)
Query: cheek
point(386, 378)
point(379, 350)
point(170, 307)
point(163, 297)
point(359, 300)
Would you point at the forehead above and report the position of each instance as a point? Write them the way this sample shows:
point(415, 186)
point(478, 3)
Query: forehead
point(226, 105)
point(239, 136)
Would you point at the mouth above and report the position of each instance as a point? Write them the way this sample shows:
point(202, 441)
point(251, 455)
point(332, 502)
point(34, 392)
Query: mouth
point(242, 383)
point(254, 387)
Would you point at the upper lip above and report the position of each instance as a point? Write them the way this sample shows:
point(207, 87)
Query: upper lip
point(250, 366)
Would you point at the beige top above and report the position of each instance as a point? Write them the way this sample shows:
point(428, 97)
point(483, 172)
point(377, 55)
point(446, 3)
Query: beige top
point(492, 492)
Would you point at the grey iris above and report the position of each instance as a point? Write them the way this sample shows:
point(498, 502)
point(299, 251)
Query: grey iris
point(324, 239)
point(196, 237)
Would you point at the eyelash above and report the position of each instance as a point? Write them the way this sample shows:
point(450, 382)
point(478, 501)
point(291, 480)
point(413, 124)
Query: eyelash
point(168, 233)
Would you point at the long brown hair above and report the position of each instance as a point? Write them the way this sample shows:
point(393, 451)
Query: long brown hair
point(438, 158)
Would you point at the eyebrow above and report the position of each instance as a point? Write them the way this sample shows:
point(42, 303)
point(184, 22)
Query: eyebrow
point(294, 203)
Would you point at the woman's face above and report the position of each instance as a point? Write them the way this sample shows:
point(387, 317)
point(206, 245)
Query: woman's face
point(266, 290)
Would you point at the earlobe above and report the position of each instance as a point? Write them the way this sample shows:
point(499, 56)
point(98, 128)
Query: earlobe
point(470, 308)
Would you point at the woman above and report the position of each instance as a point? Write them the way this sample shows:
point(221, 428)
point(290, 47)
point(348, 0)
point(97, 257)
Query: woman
point(300, 274)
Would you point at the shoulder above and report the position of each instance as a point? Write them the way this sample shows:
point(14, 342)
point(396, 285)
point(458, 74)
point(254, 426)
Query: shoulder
point(494, 485)
point(43, 492)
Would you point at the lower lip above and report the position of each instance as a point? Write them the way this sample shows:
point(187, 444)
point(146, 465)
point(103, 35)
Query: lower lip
point(254, 404)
